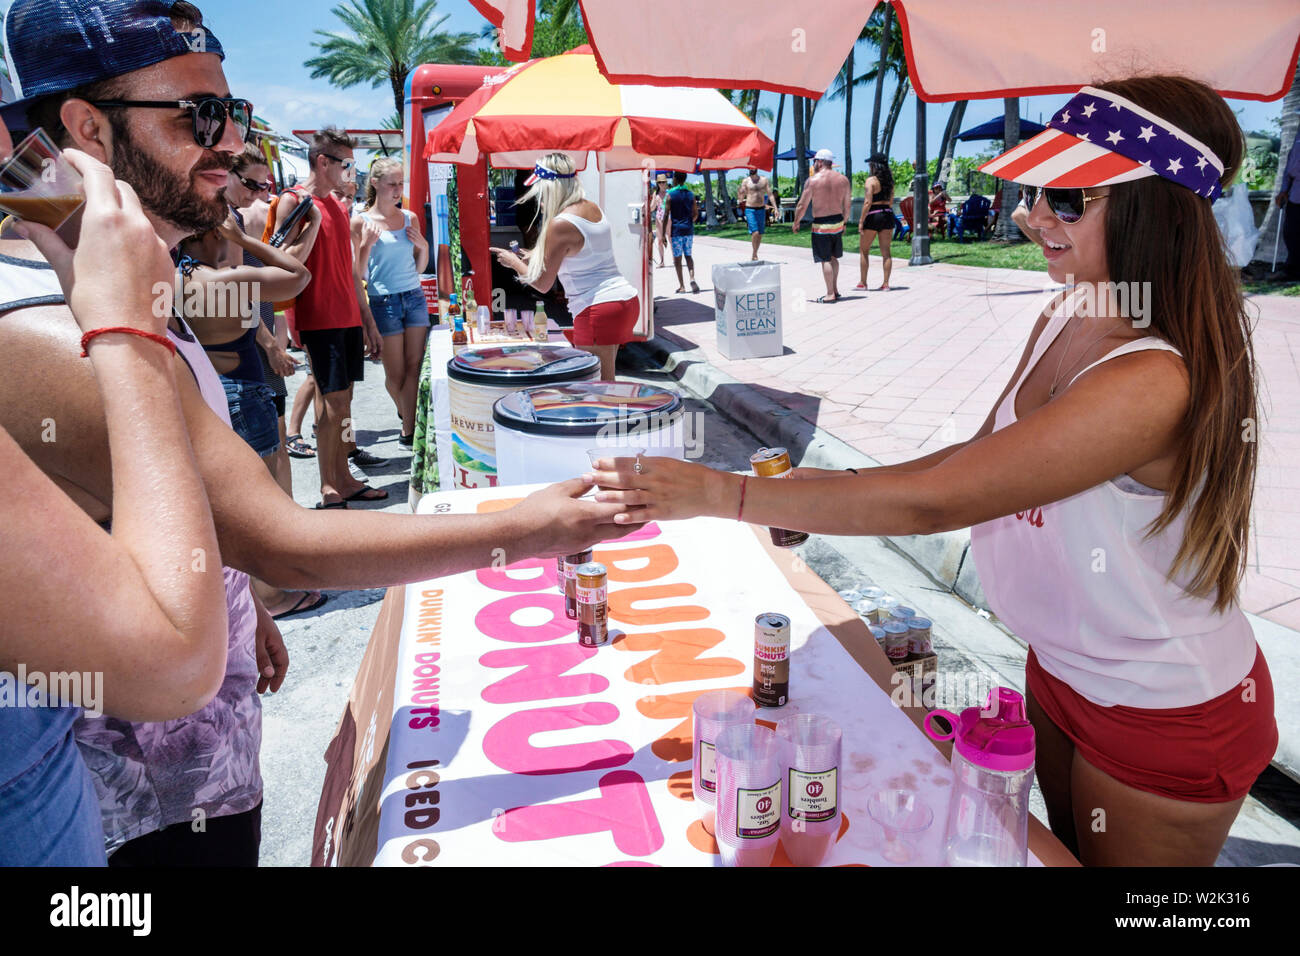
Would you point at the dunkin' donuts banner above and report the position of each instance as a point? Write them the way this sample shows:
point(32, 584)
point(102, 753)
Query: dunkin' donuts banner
point(510, 744)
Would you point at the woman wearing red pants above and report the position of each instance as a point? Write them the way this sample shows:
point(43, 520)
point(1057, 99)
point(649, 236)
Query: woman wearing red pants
point(575, 245)
point(1109, 490)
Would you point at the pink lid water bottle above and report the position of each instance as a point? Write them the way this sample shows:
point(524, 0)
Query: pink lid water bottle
point(993, 770)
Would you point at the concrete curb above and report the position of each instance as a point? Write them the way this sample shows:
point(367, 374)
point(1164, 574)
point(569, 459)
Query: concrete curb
point(944, 557)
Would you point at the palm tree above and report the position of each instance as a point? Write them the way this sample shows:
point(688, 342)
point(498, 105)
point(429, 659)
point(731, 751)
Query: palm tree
point(1006, 229)
point(384, 41)
point(1273, 217)
point(949, 143)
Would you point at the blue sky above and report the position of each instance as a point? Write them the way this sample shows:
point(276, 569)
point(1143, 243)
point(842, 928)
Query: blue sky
point(267, 41)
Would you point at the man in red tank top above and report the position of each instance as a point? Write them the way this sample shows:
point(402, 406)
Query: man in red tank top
point(333, 320)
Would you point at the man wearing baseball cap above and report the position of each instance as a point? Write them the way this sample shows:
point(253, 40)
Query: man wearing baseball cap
point(831, 196)
point(138, 85)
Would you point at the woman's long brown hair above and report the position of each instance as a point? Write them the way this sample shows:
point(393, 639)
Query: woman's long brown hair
point(1161, 233)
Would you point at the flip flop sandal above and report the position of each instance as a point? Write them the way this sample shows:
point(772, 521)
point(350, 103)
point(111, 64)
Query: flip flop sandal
point(366, 493)
point(407, 440)
point(299, 608)
point(327, 505)
point(695, 287)
point(298, 448)
point(826, 300)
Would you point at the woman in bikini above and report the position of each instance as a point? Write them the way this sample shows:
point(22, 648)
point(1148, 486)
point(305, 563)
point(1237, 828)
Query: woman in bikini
point(877, 219)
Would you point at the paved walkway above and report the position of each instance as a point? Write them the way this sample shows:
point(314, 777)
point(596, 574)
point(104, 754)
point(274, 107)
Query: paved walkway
point(902, 373)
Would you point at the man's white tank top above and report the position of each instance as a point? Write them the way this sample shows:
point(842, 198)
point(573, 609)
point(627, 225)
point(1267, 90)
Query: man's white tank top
point(1082, 585)
point(591, 276)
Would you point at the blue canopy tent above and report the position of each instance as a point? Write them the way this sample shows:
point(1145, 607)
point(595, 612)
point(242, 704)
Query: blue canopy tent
point(790, 154)
point(994, 129)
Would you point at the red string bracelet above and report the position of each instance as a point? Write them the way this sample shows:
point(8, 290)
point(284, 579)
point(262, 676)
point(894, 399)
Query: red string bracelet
point(743, 480)
point(160, 339)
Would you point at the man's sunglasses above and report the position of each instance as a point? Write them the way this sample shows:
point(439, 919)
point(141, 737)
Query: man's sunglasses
point(209, 115)
point(253, 185)
point(347, 164)
point(1067, 205)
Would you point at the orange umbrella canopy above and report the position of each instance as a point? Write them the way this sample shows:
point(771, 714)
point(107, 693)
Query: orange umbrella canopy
point(564, 104)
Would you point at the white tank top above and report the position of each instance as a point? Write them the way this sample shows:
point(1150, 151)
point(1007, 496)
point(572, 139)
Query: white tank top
point(591, 276)
point(1081, 584)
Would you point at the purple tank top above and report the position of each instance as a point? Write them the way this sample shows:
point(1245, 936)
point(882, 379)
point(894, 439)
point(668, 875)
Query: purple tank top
point(152, 775)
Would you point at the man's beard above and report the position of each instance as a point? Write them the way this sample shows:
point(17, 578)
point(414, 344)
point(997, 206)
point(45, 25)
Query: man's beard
point(165, 193)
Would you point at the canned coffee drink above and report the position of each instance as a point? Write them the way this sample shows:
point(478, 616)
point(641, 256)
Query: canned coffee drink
point(571, 564)
point(771, 660)
point(918, 635)
point(896, 639)
point(879, 634)
point(593, 606)
point(903, 613)
point(775, 463)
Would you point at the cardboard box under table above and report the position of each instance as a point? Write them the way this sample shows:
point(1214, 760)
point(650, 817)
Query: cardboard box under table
point(479, 732)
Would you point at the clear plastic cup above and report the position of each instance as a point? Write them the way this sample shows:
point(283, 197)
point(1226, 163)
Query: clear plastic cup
point(512, 320)
point(484, 319)
point(712, 713)
point(750, 761)
point(810, 812)
point(596, 454)
point(37, 184)
point(903, 820)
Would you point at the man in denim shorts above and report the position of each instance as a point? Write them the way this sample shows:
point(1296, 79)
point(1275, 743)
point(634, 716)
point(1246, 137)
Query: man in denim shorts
point(683, 207)
point(755, 197)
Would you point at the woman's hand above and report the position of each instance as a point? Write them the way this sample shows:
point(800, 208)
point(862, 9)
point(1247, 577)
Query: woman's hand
point(665, 489)
point(120, 273)
point(511, 261)
point(413, 233)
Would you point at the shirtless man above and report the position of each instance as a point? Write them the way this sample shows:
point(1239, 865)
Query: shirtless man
point(153, 777)
point(755, 195)
point(831, 195)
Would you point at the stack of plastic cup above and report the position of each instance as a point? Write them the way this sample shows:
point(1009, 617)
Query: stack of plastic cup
point(810, 812)
point(751, 762)
point(713, 713)
point(512, 318)
point(484, 319)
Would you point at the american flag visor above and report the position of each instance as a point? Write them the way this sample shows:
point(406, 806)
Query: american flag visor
point(1099, 138)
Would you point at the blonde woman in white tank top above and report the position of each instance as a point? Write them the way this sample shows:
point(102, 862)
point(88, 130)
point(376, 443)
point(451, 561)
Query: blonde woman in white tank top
point(1115, 440)
point(575, 245)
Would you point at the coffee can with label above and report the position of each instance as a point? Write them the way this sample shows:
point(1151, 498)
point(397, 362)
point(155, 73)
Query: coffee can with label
point(775, 463)
point(593, 605)
point(918, 635)
point(771, 660)
point(571, 564)
point(878, 633)
point(896, 639)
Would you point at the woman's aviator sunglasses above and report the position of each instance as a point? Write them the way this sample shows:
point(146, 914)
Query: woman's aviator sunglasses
point(209, 115)
point(1067, 205)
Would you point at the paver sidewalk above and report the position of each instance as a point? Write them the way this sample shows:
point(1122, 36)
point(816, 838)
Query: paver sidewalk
point(902, 373)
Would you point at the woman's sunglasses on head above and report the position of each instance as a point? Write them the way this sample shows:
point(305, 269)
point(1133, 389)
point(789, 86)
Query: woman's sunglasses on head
point(1067, 205)
point(209, 115)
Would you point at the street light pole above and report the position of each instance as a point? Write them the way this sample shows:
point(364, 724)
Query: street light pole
point(920, 196)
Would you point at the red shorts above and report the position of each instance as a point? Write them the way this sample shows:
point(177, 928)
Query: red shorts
point(1206, 753)
point(608, 323)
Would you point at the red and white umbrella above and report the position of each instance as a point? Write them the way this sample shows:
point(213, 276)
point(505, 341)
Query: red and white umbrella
point(956, 50)
point(564, 104)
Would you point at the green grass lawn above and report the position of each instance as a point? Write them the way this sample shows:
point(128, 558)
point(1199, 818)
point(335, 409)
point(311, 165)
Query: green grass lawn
point(998, 255)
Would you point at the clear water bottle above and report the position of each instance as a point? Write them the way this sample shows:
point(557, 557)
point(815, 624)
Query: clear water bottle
point(993, 770)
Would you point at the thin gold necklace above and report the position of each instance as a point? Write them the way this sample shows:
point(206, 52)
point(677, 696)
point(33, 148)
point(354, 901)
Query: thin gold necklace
point(1066, 351)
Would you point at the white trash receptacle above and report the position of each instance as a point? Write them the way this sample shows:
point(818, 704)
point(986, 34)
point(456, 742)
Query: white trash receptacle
point(747, 304)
